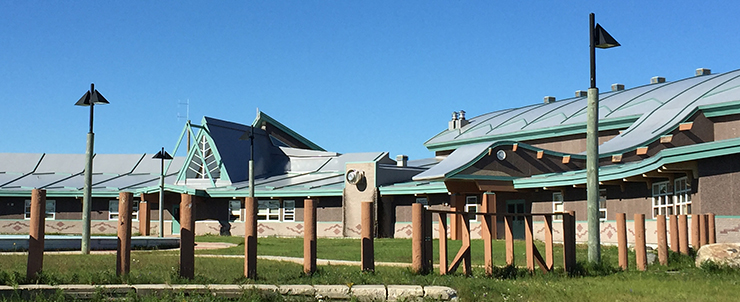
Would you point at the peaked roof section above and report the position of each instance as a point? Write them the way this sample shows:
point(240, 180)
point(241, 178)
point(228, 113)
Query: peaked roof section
point(278, 130)
point(647, 112)
point(636, 109)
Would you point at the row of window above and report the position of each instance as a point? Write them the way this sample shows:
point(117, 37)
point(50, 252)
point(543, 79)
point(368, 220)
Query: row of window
point(267, 210)
point(558, 205)
point(51, 210)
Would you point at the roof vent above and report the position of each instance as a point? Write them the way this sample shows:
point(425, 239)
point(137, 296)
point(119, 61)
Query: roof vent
point(549, 99)
point(617, 87)
point(461, 121)
point(581, 93)
point(656, 80)
point(703, 71)
point(453, 122)
point(402, 160)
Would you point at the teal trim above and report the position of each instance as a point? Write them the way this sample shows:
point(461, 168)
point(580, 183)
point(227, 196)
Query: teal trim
point(579, 128)
point(614, 172)
point(263, 117)
point(415, 187)
point(723, 109)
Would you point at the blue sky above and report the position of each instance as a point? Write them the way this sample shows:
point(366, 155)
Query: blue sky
point(352, 76)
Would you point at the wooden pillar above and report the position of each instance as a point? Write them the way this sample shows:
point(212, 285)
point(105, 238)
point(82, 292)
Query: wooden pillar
point(695, 232)
point(123, 254)
point(712, 229)
point(250, 238)
point(367, 249)
point(144, 217)
point(36, 235)
point(309, 236)
point(457, 204)
point(488, 230)
point(640, 247)
point(569, 240)
point(509, 237)
point(673, 227)
point(683, 234)
point(549, 253)
point(529, 242)
point(662, 240)
point(187, 236)
point(703, 232)
point(417, 239)
point(442, 244)
point(622, 240)
point(467, 259)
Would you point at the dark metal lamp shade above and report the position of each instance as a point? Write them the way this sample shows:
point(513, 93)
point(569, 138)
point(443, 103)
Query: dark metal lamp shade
point(603, 39)
point(162, 155)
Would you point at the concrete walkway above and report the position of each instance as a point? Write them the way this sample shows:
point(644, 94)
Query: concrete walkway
point(320, 292)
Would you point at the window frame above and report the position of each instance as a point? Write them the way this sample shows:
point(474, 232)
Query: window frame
point(51, 214)
point(558, 199)
point(288, 212)
point(235, 214)
point(662, 201)
point(267, 211)
point(602, 207)
point(474, 205)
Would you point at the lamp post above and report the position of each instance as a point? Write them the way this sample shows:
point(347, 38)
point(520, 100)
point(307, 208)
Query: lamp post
point(90, 98)
point(161, 155)
point(598, 38)
point(250, 213)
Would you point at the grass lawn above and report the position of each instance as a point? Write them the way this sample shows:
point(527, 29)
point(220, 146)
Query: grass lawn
point(680, 281)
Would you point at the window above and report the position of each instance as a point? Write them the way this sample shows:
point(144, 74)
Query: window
point(602, 204)
point(268, 210)
point(662, 198)
point(422, 200)
point(113, 210)
point(288, 210)
point(471, 205)
point(51, 209)
point(235, 210)
point(557, 206)
point(682, 197)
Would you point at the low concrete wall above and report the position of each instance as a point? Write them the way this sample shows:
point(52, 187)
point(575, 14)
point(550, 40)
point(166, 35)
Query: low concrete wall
point(266, 228)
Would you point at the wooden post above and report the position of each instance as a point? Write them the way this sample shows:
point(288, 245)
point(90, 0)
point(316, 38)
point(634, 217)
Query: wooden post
point(673, 227)
point(640, 248)
point(488, 229)
point(622, 240)
point(683, 234)
point(529, 242)
point(703, 230)
point(712, 229)
point(569, 240)
point(417, 239)
point(187, 236)
point(36, 235)
point(695, 232)
point(309, 236)
point(145, 217)
point(662, 240)
point(442, 244)
point(509, 235)
point(457, 204)
point(123, 254)
point(250, 238)
point(467, 266)
point(549, 258)
point(428, 262)
point(367, 248)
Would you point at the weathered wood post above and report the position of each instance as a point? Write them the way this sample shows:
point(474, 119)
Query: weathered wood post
point(250, 238)
point(36, 235)
point(712, 229)
point(622, 240)
point(367, 247)
point(569, 240)
point(144, 215)
point(549, 252)
point(442, 233)
point(187, 236)
point(640, 246)
point(417, 239)
point(309, 236)
point(509, 237)
point(662, 240)
point(123, 253)
point(683, 234)
point(695, 232)
point(529, 242)
point(457, 204)
point(673, 227)
point(488, 230)
point(703, 230)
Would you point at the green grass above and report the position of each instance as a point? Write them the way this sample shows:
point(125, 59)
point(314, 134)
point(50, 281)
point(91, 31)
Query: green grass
point(680, 281)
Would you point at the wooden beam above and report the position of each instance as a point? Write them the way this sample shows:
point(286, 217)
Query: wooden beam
point(665, 139)
point(642, 150)
point(685, 126)
point(566, 159)
point(514, 147)
point(540, 154)
point(617, 158)
point(495, 186)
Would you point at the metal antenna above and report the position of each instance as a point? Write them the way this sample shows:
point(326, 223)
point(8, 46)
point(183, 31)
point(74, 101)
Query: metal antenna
point(187, 109)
